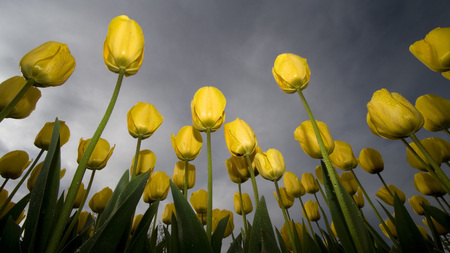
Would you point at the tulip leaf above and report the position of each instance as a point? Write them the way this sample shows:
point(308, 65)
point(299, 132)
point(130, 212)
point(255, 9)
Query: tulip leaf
point(78, 239)
point(217, 236)
point(139, 239)
point(235, 246)
point(283, 247)
point(436, 237)
point(261, 223)
point(381, 245)
point(174, 236)
point(10, 240)
point(442, 218)
point(15, 211)
point(268, 243)
point(191, 236)
point(308, 243)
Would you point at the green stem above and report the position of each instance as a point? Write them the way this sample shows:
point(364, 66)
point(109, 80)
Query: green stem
point(136, 157)
point(384, 183)
point(5, 112)
point(186, 162)
point(321, 232)
point(443, 199)
point(306, 215)
point(325, 218)
point(242, 211)
point(440, 204)
point(78, 177)
point(286, 220)
point(209, 210)
point(252, 174)
point(323, 194)
point(154, 224)
point(3, 185)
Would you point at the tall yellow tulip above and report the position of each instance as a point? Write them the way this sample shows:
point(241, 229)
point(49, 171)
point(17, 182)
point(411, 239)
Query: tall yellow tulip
point(434, 110)
point(291, 72)
point(312, 210)
point(246, 202)
point(293, 185)
point(286, 200)
point(434, 50)
point(359, 198)
point(343, 157)
point(240, 138)
point(439, 228)
point(431, 146)
point(199, 201)
point(384, 194)
point(82, 221)
point(306, 137)
point(208, 109)
point(146, 162)
point(13, 163)
point(218, 215)
point(371, 160)
point(44, 136)
point(26, 105)
point(166, 216)
point(187, 144)
point(285, 236)
point(235, 165)
point(80, 195)
point(100, 199)
point(349, 182)
point(136, 220)
point(427, 185)
point(157, 186)
point(99, 157)
point(179, 173)
point(270, 164)
point(143, 120)
point(417, 202)
point(391, 226)
point(309, 183)
point(444, 147)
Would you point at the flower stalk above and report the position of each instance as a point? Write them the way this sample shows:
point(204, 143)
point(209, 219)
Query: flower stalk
point(209, 210)
point(252, 175)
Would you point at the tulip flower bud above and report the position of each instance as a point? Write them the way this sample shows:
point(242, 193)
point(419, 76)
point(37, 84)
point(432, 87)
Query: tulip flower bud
point(99, 157)
point(199, 200)
point(179, 172)
point(417, 202)
point(234, 166)
point(136, 220)
point(291, 72)
point(187, 144)
point(166, 217)
point(12, 164)
point(143, 120)
point(312, 210)
point(99, 200)
point(293, 185)
point(444, 147)
point(80, 194)
point(384, 195)
point(286, 199)
point(391, 226)
point(217, 216)
point(50, 64)
point(439, 228)
point(434, 110)
point(44, 136)
point(270, 164)
point(246, 202)
point(146, 162)
point(157, 186)
point(371, 161)
point(431, 146)
point(307, 139)
point(359, 198)
point(208, 109)
point(240, 138)
point(391, 116)
point(124, 46)
point(82, 221)
point(285, 234)
point(309, 183)
point(343, 157)
point(427, 185)
point(26, 105)
point(434, 50)
point(348, 180)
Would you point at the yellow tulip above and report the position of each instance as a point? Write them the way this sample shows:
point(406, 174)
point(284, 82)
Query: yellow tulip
point(26, 105)
point(246, 202)
point(371, 161)
point(309, 183)
point(157, 186)
point(285, 234)
point(427, 185)
point(423, 231)
point(80, 195)
point(208, 109)
point(33, 176)
point(306, 137)
point(240, 138)
point(439, 228)
point(391, 116)
point(99, 157)
point(217, 216)
point(199, 200)
point(286, 199)
point(333, 229)
point(312, 210)
point(136, 220)
point(146, 162)
point(50, 64)
point(234, 166)
point(124, 46)
point(343, 157)
point(434, 110)
point(12, 164)
point(384, 195)
point(434, 50)
point(349, 182)
point(166, 216)
point(293, 185)
point(291, 72)
point(179, 172)
point(44, 136)
point(444, 147)
point(417, 202)
point(100, 199)
point(431, 146)
point(143, 120)
point(187, 144)
point(82, 221)
point(391, 226)
point(359, 198)
point(270, 164)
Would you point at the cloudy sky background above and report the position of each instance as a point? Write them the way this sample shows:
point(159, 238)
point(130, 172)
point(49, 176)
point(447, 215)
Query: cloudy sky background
point(353, 49)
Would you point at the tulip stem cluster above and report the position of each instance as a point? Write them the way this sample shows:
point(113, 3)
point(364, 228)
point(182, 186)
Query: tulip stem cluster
point(252, 174)
point(4, 113)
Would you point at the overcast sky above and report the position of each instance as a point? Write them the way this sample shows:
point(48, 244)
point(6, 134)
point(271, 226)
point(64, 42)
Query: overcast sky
point(353, 49)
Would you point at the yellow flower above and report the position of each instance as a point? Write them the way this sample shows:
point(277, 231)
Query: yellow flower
point(26, 105)
point(240, 138)
point(286, 199)
point(235, 165)
point(82, 221)
point(417, 202)
point(440, 229)
point(35, 173)
point(348, 180)
point(434, 110)
point(434, 50)
point(246, 201)
point(157, 186)
point(359, 198)
point(100, 199)
point(343, 157)
point(80, 194)
point(423, 231)
point(217, 216)
point(50, 64)
point(199, 201)
point(306, 137)
point(318, 171)
point(99, 157)
point(285, 234)
point(384, 195)
point(12, 164)
point(146, 162)
point(179, 172)
point(270, 164)
point(371, 161)
point(312, 210)
point(124, 46)
point(432, 146)
point(309, 183)
point(166, 216)
point(427, 185)
point(390, 225)
point(143, 120)
point(444, 147)
point(187, 144)
point(291, 72)
point(44, 136)
point(391, 116)
point(293, 185)
point(136, 220)
point(208, 109)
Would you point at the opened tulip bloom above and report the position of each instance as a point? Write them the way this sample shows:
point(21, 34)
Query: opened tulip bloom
point(246, 202)
point(199, 201)
point(100, 199)
point(427, 185)
point(435, 110)
point(166, 216)
point(417, 202)
point(431, 146)
point(99, 157)
point(291, 72)
point(342, 156)
point(147, 161)
point(208, 109)
point(179, 174)
point(293, 185)
point(387, 198)
point(26, 105)
point(157, 186)
point(13, 163)
point(187, 144)
point(309, 183)
point(240, 138)
point(307, 139)
point(44, 136)
point(143, 120)
point(371, 160)
point(270, 164)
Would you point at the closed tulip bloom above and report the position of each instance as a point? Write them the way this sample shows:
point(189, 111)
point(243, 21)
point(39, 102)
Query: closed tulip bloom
point(291, 72)
point(434, 110)
point(270, 164)
point(427, 185)
point(166, 216)
point(417, 202)
point(179, 172)
point(82, 221)
point(306, 137)
point(434, 50)
point(187, 144)
point(348, 180)
point(80, 194)
point(285, 234)
point(146, 162)
point(246, 201)
point(293, 185)
point(312, 210)
point(286, 199)
point(391, 226)
point(136, 220)
point(26, 105)
point(234, 166)
point(208, 109)
point(124, 46)
point(157, 186)
point(12, 164)
point(240, 138)
point(50, 64)
point(359, 198)
point(371, 161)
point(423, 231)
point(431, 146)
point(199, 200)
point(44, 136)
point(391, 116)
point(100, 199)
point(343, 157)
point(439, 228)
point(143, 120)
point(444, 147)
point(309, 183)
point(99, 157)
point(217, 216)
point(384, 195)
